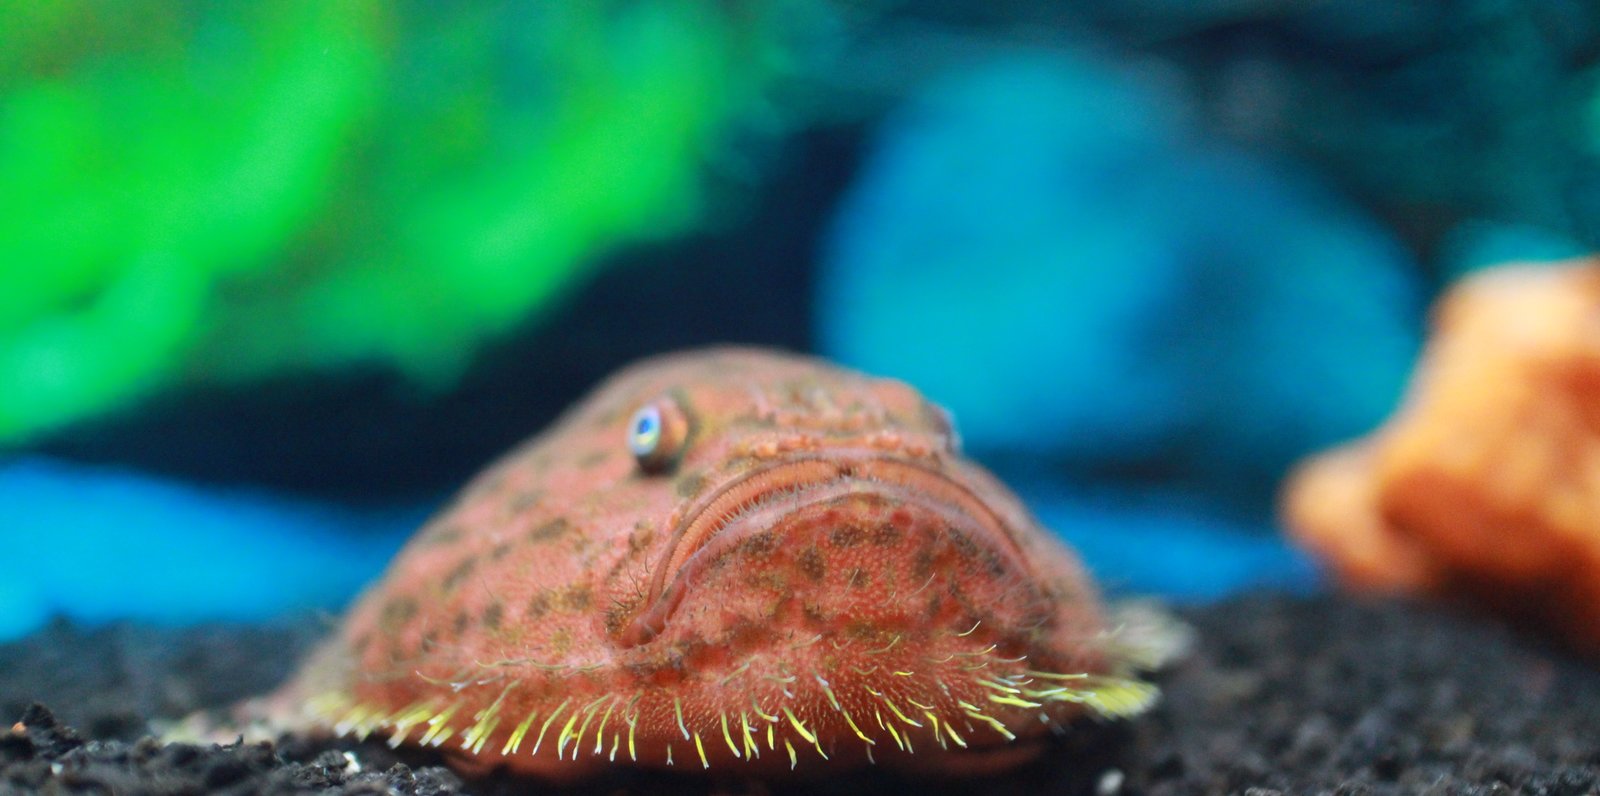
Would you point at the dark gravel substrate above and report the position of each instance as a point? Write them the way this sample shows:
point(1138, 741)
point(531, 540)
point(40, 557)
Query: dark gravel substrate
point(1283, 695)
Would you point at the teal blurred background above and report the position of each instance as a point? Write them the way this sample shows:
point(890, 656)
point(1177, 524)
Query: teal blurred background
point(274, 278)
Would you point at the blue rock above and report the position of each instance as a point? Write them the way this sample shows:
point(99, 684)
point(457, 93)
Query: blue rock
point(1153, 544)
point(1043, 246)
point(96, 545)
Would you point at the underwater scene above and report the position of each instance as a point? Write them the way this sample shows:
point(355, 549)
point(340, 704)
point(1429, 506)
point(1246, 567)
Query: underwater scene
point(842, 396)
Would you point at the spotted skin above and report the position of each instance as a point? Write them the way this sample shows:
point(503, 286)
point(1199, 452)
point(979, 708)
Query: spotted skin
point(814, 580)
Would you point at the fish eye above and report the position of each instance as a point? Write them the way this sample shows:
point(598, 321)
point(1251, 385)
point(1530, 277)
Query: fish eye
point(656, 434)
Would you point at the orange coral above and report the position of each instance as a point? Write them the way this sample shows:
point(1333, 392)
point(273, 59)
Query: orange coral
point(1485, 485)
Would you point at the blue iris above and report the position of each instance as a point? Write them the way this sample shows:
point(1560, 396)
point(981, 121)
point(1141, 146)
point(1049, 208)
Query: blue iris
point(646, 431)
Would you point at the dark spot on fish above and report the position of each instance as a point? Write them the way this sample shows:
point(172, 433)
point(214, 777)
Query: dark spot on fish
point(666, 670)
point(643, 534)
point(359, 646)
point(814, 614)
point(884, 535)
point(975, 556)
point(461, 622)
point(615, 568)
point(553, 529)
point(859, 578)
point(499, 551)
point(962, 599)
point(396, 613)
point(992, 562)
point(922, 563)
point(593, 459)
point(759, 544)
point(747, 633)
point(812, 564)
point(689, 485)
point(430, 639)
point(641, 671)
point(539, 605)
point(453, 578)
point(618, 614)
point(845, 536)
point(492, 615)
point(577, 597)
point(962, 541)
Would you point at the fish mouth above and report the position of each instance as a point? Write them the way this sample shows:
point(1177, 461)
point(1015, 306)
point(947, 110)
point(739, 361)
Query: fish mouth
point(766, 498)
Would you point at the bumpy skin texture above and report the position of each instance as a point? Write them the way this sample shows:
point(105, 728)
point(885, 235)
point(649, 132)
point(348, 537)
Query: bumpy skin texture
point(815, 579)
point(1486, 484)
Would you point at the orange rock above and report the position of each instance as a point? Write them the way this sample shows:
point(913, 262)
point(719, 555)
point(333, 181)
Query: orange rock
point(1485, 485)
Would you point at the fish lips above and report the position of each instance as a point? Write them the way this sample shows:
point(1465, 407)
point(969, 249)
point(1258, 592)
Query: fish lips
point(824, 524)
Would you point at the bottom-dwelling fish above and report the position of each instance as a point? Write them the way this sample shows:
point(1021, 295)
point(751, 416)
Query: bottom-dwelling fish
point(729, 558)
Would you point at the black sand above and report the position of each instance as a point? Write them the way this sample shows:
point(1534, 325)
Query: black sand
point(1292, 696)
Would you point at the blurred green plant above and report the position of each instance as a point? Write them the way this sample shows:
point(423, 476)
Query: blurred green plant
point(217, 191)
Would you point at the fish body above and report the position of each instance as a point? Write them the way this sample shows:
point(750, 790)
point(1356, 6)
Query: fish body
point(728, 558)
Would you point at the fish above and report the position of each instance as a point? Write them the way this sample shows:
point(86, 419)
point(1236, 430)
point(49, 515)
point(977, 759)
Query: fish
point(731, 558)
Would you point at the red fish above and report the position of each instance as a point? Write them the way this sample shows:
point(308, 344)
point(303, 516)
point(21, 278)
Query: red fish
point(729, 558)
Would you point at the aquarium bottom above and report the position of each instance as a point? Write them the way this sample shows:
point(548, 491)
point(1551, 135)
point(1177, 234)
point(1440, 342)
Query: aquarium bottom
point(1282, 694)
